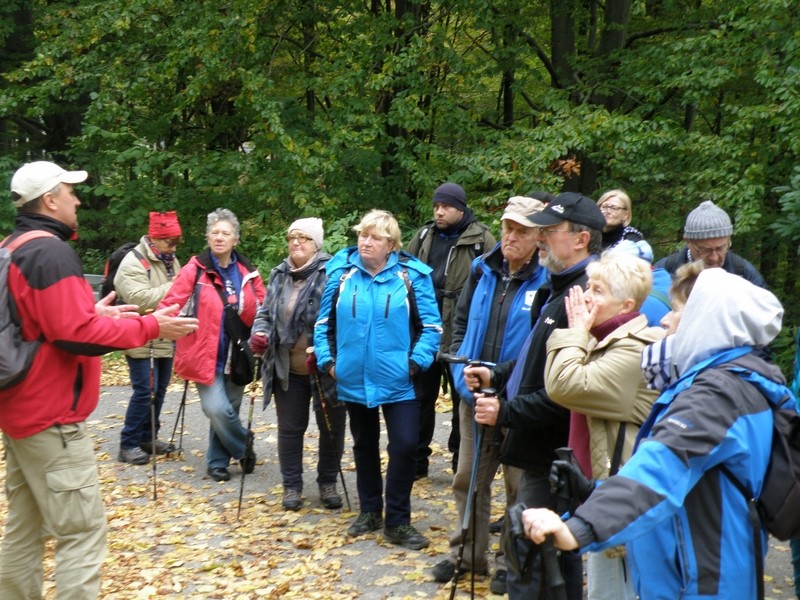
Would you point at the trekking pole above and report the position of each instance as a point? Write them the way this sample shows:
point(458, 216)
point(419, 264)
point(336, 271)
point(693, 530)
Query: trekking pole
point(550, 563)
point(329, 426)
point(469, 509)
point(153, 419)
point(180, 417)
point(469, 514)
point(472, 491)
point(253, 390)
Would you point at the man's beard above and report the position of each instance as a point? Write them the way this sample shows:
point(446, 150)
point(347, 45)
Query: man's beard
point(550, 262)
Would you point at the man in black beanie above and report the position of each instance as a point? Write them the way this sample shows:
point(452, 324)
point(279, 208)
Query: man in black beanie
point(448, 244)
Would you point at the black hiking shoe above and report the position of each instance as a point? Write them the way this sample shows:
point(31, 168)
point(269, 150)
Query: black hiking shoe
point(328, 495)
point(498, 584)
point(134, 456)
point(445, 570)
point(161, 447)
point(364, 523)
point(292, 499)
point(219, 473)
point(496, 526)
point(406, 536)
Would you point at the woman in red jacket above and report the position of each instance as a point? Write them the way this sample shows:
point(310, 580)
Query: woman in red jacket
point(216, 275)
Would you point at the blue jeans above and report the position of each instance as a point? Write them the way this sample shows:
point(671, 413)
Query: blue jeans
point(402, 426)
point(226, 436)
point(292, 408)
point(137, 428)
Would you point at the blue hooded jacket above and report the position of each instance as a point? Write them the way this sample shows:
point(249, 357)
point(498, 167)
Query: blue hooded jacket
point(367, 329)
point(686, 526)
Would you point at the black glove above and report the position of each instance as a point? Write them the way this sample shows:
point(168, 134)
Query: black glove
point(413, 368)
point(565, 473)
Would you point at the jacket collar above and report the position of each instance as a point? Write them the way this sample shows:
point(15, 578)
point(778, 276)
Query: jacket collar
point(34, 221)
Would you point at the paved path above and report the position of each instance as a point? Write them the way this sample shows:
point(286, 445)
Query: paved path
point(188, 543)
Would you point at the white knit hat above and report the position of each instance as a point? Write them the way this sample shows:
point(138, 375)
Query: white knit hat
point(310, 226)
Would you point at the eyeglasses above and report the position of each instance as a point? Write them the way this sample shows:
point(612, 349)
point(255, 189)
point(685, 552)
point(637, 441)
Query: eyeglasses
point(705, 251)
point(169, 242)
point(549, 230)
point(611, 209)
point(300, 239)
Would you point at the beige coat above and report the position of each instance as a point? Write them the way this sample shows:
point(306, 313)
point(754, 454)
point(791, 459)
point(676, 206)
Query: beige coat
point(135, 286)
point(603, 380)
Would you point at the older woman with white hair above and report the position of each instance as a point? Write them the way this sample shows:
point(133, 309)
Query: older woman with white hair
point(593, 368)
point(378, 328)
point(217, 280)
point(282, 334)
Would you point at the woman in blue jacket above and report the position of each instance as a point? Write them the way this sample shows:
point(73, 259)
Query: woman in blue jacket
point(378, 327)
point(686, 526)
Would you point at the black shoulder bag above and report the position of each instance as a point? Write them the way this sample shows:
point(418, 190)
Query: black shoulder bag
point(241, 357)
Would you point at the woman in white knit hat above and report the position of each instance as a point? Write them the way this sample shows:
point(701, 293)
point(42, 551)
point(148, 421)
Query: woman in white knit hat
point(282, 332)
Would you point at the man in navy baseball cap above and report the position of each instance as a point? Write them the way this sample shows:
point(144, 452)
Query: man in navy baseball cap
point(572, 207)
point(568, 239)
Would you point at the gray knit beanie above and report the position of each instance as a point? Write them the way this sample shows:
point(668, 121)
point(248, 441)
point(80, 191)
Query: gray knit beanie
point(707, 221)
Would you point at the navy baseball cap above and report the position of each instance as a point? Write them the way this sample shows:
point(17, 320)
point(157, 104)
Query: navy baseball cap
point(571, 207)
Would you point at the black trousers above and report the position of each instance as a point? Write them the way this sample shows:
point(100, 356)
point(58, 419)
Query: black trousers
point(430, 386)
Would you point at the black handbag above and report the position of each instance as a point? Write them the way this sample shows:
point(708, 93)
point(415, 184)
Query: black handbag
point(241, 357)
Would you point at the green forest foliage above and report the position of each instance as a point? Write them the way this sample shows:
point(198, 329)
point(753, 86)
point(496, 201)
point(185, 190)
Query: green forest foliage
point(278, 109)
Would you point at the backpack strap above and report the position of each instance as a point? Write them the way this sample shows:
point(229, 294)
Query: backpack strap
point(143, 260)
point(332, 315)
point(10, 247)
point(616, 458)
point(416, 321)
point(24, 238)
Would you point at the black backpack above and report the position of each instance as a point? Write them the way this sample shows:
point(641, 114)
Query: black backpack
point(112, 266)
point(17, 354)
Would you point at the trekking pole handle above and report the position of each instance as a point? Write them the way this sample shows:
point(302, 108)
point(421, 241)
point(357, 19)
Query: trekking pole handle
point(564, 498)
point(460, 359)
point(453, 359)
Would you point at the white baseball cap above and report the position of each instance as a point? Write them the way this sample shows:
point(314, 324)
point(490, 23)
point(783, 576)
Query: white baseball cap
point(34, 179)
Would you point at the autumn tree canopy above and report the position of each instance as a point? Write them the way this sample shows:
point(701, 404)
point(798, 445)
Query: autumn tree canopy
point(283, 108)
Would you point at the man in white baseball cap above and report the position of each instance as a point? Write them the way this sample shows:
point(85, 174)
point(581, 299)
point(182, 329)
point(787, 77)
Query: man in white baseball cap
point(49, 453)
point(34, 179)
